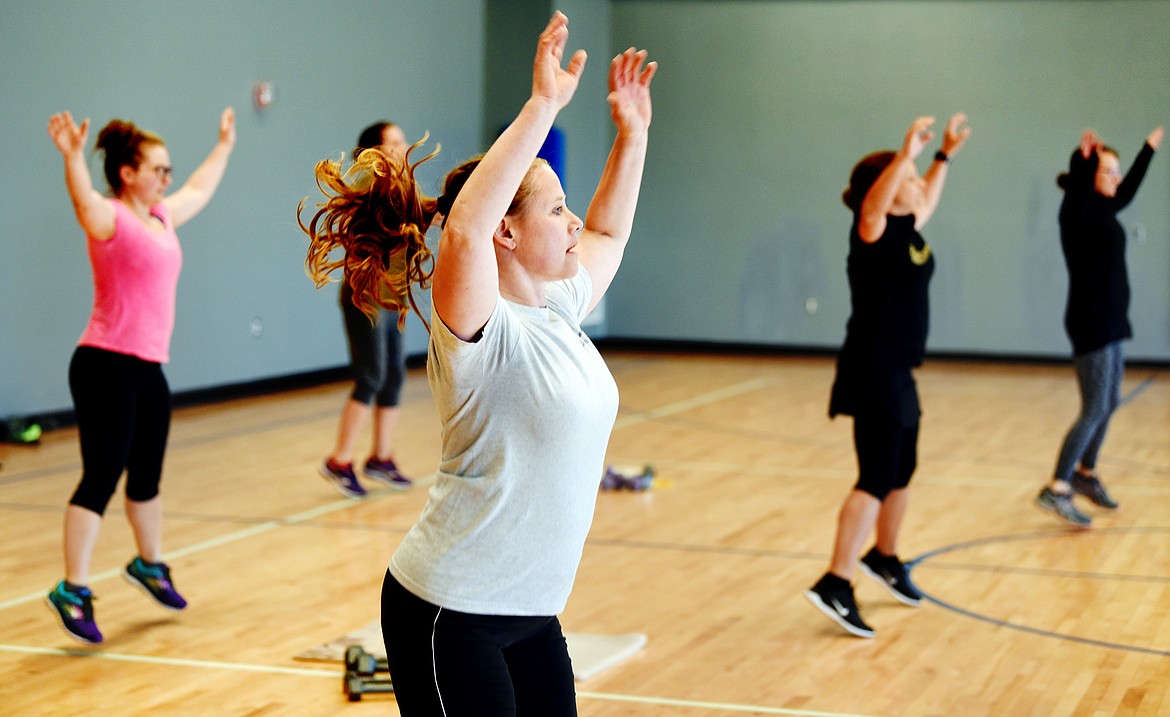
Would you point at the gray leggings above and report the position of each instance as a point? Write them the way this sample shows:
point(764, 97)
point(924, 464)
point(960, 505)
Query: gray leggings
point(1099, 376)
point(377, 360)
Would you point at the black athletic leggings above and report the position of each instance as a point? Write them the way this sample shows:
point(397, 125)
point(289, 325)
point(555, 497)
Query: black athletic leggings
point(123, 407)
point(454, 664)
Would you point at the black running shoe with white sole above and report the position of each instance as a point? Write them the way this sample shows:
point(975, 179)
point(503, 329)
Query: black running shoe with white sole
point(891, 573)
point(838, 605)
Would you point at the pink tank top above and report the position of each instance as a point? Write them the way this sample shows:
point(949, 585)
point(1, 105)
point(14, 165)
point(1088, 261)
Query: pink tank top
point(135, 277)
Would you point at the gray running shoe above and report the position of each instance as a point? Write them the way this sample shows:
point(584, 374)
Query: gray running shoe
point(1091, 488)
point(1061, 505)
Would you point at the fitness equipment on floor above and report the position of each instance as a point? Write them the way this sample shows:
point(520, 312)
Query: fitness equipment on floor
point(361, 670)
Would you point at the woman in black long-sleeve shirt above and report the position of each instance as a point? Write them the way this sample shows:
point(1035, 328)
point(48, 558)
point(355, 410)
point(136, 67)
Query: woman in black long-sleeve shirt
point(1096, 316)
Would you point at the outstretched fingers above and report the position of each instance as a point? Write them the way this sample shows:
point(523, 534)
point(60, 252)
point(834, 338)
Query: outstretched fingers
point(626, 69)
point(227, 126)
point(917, 136)
point(549, 81)
point(554, 36)
point(1089, 143)
point(956, 134)
point(65, 132)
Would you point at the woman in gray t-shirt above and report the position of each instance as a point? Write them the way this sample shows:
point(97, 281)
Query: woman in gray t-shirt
point(527, 404)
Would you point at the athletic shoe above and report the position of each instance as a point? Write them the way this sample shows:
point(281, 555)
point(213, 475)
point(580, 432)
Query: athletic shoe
point(342, 478)
point(891, 573)
point(839, 605)
point(1091, 488)
point(1061, 505)
point(74, 610)
point(386, 472)
point(636, 479)
point(154, 579)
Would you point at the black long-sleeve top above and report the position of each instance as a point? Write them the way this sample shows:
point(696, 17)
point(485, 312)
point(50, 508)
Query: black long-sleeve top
point(1097, 312)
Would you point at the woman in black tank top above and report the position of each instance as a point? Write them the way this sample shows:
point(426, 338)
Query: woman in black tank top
point(889, 271)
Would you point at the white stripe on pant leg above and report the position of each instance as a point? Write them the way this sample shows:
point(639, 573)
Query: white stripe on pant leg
point(434, 664)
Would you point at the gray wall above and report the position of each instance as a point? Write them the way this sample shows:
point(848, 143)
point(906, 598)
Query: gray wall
point(762, 108)
point(172, 67)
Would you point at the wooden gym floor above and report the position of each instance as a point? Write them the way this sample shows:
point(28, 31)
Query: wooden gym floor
point(1024, 616)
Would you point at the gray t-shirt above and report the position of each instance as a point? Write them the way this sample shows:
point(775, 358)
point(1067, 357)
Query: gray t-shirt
point(527, 410)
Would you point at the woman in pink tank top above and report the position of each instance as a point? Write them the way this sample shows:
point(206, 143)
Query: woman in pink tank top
point(120, 396)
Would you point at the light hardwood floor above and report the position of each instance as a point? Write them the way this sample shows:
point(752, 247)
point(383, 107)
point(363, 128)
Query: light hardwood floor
point(1025, 617)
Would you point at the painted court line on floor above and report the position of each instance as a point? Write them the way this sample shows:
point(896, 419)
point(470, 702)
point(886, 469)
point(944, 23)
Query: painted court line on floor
point(693, 402)
point(336, 674)
point(249, 532)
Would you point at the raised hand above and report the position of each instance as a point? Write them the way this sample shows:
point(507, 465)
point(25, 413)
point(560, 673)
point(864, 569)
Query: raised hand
point(550, 81)
point(917, 136)
point(227, 126)
point(629, 91)
point(1155, 138)
point(1089, 143)
point(955, 134)
point(66, 134)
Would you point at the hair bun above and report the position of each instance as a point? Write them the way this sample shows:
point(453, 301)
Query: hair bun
point(116, 132)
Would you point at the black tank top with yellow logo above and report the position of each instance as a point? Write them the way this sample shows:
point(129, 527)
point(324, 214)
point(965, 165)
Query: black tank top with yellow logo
point(885, 337)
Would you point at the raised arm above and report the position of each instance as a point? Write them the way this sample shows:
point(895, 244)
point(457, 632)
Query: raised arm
point(197, 191)
point(466, 279)
point(954, 136)
point(1127, 190)
point(880, 197)
point(611, 213)
point(94, 212)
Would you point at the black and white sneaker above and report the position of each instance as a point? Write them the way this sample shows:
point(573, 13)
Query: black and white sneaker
point(838, 604)
point(891, 573)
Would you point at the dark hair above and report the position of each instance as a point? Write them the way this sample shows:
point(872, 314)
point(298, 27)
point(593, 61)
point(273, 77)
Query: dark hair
point(457, 177)
point(371, 136)
point(864, 174)
point(376, 213)
point(1082, 170)
point(121, 142)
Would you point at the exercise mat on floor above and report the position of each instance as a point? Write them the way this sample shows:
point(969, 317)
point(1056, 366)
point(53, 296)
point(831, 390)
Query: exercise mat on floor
point(591, 653)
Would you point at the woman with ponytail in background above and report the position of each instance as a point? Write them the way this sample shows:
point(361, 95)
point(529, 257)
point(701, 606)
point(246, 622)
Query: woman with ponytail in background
point(1096, 315)
point(377, 362)
point(120, 396)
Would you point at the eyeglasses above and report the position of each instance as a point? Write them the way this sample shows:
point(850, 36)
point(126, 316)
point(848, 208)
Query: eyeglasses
point(163, 171)
point(1110, 172)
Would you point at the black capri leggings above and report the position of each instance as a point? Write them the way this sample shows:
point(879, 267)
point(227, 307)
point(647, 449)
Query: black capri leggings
point(887, 453)
point(123, 407)
point(454, 664)
point(376, 356)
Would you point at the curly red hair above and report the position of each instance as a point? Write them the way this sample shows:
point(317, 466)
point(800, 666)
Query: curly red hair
point(376, 214)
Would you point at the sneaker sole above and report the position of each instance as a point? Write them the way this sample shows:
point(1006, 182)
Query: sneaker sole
point(387, 482)
point(340, 488)
point(61, 622)
point(1052, 511)
point(138, 584)
point(1093, 500)
point(904, 599)
point(832, 615)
